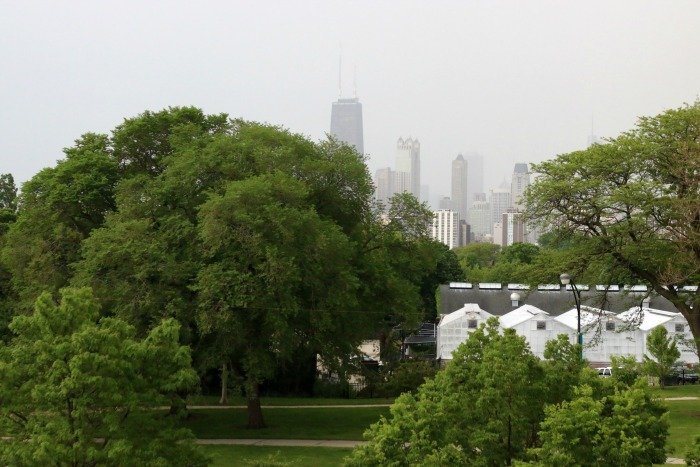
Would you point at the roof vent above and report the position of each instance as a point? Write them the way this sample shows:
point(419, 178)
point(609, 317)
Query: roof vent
point(460, 285)
point(514, 299)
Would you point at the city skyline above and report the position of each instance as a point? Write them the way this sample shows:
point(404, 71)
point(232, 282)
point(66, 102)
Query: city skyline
point(514, 82)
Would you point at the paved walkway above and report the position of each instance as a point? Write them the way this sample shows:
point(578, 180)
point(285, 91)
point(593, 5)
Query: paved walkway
point(325, 443)
point(686, 398)
point(341, 406)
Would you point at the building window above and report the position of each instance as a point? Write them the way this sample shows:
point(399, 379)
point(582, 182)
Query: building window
point(471, 323)
point(610, 325)
point(680, 327)
point(541, 325)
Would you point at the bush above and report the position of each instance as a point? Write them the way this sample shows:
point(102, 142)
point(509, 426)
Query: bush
point(692, 456)
point(406, 377)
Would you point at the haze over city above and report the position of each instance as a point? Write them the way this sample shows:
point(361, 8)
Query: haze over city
point(513, 81)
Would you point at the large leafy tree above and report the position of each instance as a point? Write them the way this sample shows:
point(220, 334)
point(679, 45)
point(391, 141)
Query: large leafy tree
point(632, 204)
point(79, 390)
point(248, 233)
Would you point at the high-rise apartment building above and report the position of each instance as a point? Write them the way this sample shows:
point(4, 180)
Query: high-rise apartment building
point(445, 228)
point(460, 196)
point(500, 202)
point(408, 162)
point(346, 122)
point(518, 184)
point(480, 219)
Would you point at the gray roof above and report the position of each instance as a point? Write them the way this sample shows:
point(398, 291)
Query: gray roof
point(495, 298)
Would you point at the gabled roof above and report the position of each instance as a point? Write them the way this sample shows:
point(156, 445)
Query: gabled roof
point(648, 318)
point(520, 315)
point(458, 314)
point(589, 315)
point(497, 299)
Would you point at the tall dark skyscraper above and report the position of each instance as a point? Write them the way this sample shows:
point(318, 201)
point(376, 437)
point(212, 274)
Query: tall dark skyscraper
point(346, 122)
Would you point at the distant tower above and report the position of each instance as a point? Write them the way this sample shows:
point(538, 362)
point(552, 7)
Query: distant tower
point(518, 184)
point(475, 177)
point(384, 180)
point(460, 200)
point(480, 217)
point(346, 122)
point(500, 201)
point(408, 166)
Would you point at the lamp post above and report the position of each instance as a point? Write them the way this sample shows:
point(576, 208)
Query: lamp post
point(566, 280)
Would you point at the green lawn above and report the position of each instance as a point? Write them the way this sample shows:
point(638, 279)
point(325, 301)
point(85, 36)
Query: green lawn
point(314, 423)
point(678, 391)
point(226, 456)
point(214, 400)
point(684, 417)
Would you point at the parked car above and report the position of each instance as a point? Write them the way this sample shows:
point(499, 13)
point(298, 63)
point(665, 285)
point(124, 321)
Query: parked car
point(681, 375)
point(605, 372)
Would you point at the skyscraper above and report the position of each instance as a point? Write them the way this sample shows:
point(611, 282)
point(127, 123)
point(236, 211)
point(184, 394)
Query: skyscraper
point(520, 181)
point(480, 218)
point(408, 162)
point(460, 200)
point(346, 122)
point(500, 202)
point(475, 177)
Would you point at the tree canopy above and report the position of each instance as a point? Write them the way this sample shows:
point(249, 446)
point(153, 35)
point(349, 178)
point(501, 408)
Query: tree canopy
point(495, 403)
point(79, 390)
point(632, 206)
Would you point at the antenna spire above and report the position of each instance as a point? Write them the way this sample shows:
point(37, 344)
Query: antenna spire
point(354, 81)
point(340, 74)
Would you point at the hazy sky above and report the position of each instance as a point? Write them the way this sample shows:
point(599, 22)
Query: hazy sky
point(515, 81)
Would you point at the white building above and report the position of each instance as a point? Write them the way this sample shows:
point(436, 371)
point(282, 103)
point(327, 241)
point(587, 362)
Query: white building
point(536, 325)
point(384, 182)
point(604, 334)
point(646, 319)
point(445, 228)
point(408, 163)
point(453, 329)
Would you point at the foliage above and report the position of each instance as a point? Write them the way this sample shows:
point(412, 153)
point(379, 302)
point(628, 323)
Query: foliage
point(664, 351)
point(481, 408)
point(487, 407)
point(692, 456)
point(627, 428)
point(626, 369)
point(8, 192)
point(407, 376)
point(76, 390)
point(631, 206)
point(446, 270)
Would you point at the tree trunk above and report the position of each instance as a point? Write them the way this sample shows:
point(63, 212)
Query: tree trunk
point(224, 385)
point(255, 416)
point(693, 317)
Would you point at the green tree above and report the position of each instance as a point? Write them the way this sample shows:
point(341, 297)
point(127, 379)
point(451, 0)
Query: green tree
point(446, 270)
point(692, 456)
point(59, 207)
point(626, 428)
point(78, 390)
point(631, 205)
point(8, 192)
point(664, 353)
point(562, 366)
point(482, 409)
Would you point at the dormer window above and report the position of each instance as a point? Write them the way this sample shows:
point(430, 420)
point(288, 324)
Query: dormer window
point(541, 325)
point(471, 323)
point(680, 327)
point(610, 325)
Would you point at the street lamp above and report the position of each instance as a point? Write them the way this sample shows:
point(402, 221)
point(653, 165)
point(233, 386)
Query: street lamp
point(566, 280)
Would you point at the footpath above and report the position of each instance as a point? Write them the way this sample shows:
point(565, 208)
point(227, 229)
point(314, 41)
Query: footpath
point(329, 443)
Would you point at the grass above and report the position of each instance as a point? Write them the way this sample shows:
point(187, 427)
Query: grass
point(313, 423)
point(684, 417)
point(282, 401)
point(266, 455)
point(687, 390)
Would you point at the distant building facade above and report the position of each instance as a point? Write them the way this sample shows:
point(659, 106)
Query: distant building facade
point(475, 176)
point(480, 218)
point(500, 201)
point(346, 122)
point(445, 228)
point(384, 182)
point(460, 196)
point(518, 184)
point(408, 164)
